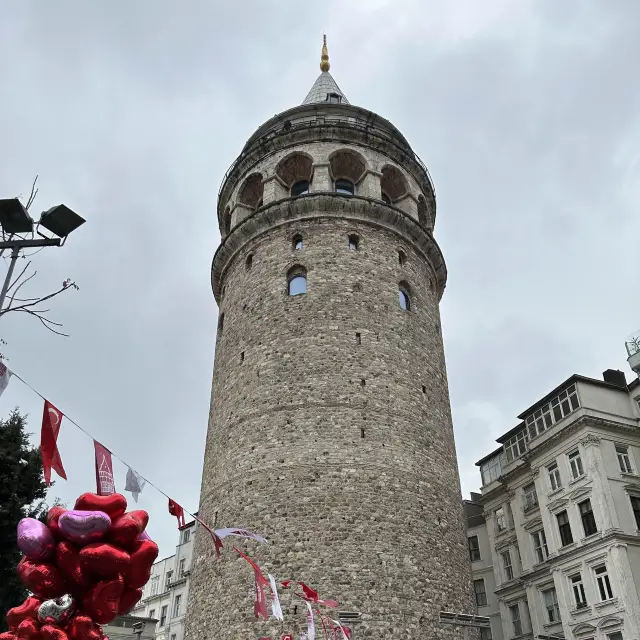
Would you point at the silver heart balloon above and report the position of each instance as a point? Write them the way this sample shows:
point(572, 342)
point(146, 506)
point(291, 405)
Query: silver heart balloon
point(58, 610)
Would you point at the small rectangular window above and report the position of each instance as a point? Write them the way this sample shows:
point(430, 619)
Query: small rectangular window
point(181, 569)
point(152, 613)
point(508, 568)
point(577, 587)
point(501, 521)
point(358, 338)
point(540, 545)
point(635, 506)
point(480, 591)
point(555, 482)
point(242, 356)
point(163, 615)
point(566, 537)
point(168, 578)
point(474, 548)
point(530, 497)
point(514, 611)
point(176, 606)
point(588, 519)
point(604, 584)
point(575, 463)
point(550, 598)
point(624, 460)
point(186, 536)
point(485, 634)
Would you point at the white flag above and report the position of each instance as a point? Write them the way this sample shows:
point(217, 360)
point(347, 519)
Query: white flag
point(5, 374)
point(311, 626)
point(243, 533)
point(276, 609)
point(134, 483)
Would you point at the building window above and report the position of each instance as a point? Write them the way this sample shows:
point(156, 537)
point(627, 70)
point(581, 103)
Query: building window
point(405, 301)
point(615, 636)
point(577, 586)
point(163, 615)
point(300, 188)
point(385, 198)
point(152, 613)
point(248, 263)
point(168, 580)
point(354, 242)
point(624, 460)
point(491, 470)
point(154, 585)
point(516, 445)
point(530, 497)
point(474, 548)
point(550, 598)
point(186, 536)
point(297, 242)
point(635, 505)
point(334, 98)
point(565, 528)
point(402, 258)
point(561, 406)
point(555, 482)
point(540, 545)
point(181, 567)
point(297, 281)
point(345, 187)
point(176, 606)
point(604, 585)
point(501, 520)
point(575, 463)
point(481, 592)
point(588, 521)
point(485, 633)
point(508, 567)
point(221, 323)
point(514, 612)
point(173, 636)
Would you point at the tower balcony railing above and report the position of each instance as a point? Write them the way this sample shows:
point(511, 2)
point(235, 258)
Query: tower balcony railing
point(317, 121)
point(632, 344)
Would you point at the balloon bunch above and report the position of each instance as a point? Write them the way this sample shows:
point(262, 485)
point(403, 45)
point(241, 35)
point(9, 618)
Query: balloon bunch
point(84, 567)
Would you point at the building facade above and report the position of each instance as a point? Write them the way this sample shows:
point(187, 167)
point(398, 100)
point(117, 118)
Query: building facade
point(558, 553)
point(164, 597)
point(330, 430)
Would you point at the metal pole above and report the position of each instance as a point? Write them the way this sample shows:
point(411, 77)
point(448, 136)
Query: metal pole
point(3, 294)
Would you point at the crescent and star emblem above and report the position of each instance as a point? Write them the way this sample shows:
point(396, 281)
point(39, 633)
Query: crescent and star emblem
point(55, 420)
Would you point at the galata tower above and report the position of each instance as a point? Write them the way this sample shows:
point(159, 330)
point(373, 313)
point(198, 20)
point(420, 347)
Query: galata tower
point(330, 428)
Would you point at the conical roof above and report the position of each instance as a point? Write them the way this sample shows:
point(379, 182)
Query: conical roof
point(325, 87)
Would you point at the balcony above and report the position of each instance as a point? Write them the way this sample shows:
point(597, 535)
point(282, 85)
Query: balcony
point(632, 344)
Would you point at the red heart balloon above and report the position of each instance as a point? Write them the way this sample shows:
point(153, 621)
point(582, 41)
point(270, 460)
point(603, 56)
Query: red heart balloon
point(53, 633)
point(28, 630)
point(52, 519)
point(70, 564)
point(104, 559)
point(7, 635)
point(84, 628)
point(28, 609)
point(41, 578)
point(115, 504)
point(128, 600)
point(103, 600)
point(141, 562)
point(126, 529)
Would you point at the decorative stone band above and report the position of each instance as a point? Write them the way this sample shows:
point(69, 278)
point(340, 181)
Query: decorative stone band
point(315, 206)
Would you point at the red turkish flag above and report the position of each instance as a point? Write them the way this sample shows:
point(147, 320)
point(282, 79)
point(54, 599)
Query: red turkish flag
point(104, 470)
point(176, 510)
point(51, 420)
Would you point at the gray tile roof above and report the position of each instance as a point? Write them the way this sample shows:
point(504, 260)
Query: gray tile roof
point(322, 87)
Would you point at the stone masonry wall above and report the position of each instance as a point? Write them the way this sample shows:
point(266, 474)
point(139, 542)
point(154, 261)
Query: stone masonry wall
point(340, 451)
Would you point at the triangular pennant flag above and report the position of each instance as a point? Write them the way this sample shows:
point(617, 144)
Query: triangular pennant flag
point(243, 533)
point(176, 510)
point(134, 483)
point(276, 609)
point(51, 419)
point(105, 483)
point(311, 626)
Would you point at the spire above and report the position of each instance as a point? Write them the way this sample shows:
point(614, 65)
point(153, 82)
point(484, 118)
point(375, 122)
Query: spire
point(325, 88)
point(324, 58)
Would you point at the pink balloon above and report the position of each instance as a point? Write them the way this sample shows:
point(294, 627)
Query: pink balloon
point(144, 536)
point(84, 527)
point(35, 539)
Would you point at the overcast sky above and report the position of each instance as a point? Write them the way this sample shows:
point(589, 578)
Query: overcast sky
point(526, 113)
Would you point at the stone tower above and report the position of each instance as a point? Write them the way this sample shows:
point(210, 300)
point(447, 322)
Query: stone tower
point(330, 429)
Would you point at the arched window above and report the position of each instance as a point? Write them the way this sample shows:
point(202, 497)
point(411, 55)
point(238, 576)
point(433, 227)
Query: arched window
point(386, 198)
point(402, 258)
point(354, 242)
point(248, 263)
point(297, 242)
point(392, 183)
point(300, 188)
point(297, 281)
point(252, 191)
point(404, 295)
point(346, 187)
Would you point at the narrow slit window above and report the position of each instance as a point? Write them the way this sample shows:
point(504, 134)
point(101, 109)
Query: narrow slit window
point(248, 263)
point(358, 338)
point(297, 242)
point(354, 242)
point(402, 258)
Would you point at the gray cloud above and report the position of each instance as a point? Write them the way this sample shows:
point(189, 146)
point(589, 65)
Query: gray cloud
point(526, 114)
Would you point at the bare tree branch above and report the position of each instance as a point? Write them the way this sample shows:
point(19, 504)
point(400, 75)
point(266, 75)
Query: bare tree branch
point(51, 295)
point(33, 194)
point(13, 284)
point(45, 322)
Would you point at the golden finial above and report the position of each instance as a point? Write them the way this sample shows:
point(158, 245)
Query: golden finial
point(324, 58)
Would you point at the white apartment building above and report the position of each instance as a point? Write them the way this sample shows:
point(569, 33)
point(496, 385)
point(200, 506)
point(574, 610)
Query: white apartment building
point(554, 536)
point(164, 597)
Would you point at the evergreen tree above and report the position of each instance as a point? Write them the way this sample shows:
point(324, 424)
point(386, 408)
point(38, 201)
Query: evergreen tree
point(22, 493)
